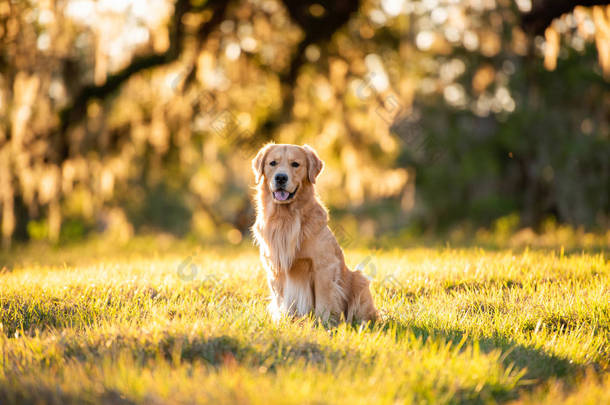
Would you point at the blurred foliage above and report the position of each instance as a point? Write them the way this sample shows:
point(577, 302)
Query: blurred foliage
point(124, 116)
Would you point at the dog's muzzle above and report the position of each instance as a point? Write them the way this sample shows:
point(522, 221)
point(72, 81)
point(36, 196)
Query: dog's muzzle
point(284, 195)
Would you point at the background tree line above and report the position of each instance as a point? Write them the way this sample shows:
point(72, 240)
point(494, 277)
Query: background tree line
point(127, 116)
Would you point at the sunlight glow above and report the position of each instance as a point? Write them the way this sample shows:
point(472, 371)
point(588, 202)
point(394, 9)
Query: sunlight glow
point(392, 7)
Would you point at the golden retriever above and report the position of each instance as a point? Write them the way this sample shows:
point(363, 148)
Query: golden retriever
point(305, 267)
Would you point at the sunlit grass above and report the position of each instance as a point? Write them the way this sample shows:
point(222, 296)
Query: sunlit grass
point(96, 325)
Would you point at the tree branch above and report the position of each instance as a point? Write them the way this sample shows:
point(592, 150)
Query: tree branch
point(218, 15)
point(318, 30)
point(76, 111)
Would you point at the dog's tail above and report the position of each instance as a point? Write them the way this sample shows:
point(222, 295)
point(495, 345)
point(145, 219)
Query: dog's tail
point(360, 304)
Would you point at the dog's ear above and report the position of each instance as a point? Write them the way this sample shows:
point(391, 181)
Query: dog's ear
point(258, 163)
point(314, 163)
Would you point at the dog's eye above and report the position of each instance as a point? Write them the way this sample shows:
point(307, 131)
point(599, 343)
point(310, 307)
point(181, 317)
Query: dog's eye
point(295, 164)
point(273, 163)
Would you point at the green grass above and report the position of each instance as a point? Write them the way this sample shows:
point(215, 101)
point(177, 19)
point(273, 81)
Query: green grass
point(90, 324)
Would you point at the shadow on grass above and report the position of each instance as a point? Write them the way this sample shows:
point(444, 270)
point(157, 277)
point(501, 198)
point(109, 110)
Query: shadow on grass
point(540, 366)
point(36, 394)
point(51, 313)
point(214, 351)
point(273, 352)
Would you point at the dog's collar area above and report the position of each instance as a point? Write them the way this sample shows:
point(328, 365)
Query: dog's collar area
point(283, 195)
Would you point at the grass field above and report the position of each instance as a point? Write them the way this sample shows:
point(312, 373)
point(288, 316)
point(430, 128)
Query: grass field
point(88, 324)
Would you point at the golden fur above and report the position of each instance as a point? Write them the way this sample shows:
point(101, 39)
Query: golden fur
point(305, 266)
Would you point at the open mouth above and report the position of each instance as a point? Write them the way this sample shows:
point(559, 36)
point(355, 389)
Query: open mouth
point(283, 195)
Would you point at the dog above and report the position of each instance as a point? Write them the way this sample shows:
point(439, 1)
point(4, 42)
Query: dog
point(305, 267)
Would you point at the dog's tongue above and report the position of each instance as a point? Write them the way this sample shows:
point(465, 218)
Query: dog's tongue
point(281, 195)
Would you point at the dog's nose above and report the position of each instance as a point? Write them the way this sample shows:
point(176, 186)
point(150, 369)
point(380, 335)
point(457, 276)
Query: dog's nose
point(281, 179)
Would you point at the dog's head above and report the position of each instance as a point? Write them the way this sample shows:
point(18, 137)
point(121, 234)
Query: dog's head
point(286, 169)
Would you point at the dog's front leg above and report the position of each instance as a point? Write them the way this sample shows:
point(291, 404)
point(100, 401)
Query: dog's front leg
point(298, 296)
point(276, 282)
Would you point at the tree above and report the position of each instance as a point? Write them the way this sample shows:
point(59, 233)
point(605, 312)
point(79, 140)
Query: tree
point(76, 134)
